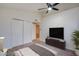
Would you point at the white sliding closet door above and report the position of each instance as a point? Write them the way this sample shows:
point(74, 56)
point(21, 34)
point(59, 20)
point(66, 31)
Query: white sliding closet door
point(27, 32)
point(17, 32)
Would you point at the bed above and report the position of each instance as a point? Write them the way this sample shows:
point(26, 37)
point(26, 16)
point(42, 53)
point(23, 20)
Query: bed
point(31, 49)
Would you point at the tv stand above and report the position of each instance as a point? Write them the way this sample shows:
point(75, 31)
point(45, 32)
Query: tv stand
point(56, 43)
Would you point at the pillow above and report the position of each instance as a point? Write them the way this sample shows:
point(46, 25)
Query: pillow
point(17, 53)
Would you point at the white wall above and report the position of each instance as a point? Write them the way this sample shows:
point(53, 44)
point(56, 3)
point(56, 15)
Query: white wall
point(68, 19)
point(6, 16)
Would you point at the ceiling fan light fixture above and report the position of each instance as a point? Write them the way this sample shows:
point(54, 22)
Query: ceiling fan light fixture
point(49, 8)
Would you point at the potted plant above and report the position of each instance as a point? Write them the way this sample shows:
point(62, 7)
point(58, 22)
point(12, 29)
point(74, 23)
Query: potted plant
point(76, 41)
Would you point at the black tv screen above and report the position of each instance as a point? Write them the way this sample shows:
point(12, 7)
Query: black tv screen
point(56, 32)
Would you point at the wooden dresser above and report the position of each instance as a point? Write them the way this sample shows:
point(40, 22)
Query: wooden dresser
point(56, 43)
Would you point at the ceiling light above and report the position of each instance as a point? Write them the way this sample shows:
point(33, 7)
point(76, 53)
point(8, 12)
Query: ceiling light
point(49, 8)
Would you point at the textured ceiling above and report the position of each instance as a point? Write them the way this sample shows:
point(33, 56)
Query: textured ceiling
point(33, 7)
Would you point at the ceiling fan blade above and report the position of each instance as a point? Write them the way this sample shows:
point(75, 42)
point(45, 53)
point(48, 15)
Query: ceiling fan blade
point(42, 8)
point(55, 9)
point(55, 4)
point(49, 5)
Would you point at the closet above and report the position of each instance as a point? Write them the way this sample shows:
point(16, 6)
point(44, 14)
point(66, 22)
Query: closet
point(21, 32)
point(17, 32)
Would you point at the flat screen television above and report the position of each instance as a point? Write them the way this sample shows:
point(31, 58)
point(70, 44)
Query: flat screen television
point(56, 32)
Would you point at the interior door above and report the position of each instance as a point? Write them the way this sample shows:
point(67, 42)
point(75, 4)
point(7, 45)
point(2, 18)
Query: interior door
point(17, 32)
point(37, 32)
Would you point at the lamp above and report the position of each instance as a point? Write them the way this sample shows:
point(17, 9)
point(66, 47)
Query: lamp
point(2, 37)
point(1, 43)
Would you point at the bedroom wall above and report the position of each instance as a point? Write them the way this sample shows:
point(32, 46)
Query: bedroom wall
point(68, 19)
point(6, 16)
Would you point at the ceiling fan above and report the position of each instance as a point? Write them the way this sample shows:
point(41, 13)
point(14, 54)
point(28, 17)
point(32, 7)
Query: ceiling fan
point(50, 6)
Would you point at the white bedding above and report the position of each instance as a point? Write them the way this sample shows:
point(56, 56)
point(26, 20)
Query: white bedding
point(17, 53)
point(26, 52)
point(29, 52)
